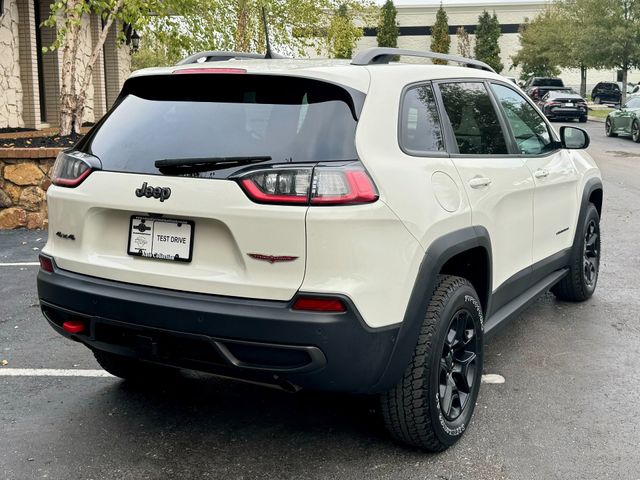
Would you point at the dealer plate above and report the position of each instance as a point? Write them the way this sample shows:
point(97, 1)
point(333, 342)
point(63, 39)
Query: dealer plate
point(161, 238)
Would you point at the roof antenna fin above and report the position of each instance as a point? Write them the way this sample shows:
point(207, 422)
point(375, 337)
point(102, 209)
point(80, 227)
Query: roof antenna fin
point(269, 53)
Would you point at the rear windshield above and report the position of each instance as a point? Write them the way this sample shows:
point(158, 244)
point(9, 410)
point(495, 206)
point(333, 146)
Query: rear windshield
point(225, 115)
point(548, 82)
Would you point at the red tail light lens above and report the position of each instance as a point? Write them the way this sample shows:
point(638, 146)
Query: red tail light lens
point(70, 169)
point(320, 185)
point(319, 304)
point(73, 326)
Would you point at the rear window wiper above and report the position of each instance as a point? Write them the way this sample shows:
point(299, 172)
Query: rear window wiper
point(206, 164)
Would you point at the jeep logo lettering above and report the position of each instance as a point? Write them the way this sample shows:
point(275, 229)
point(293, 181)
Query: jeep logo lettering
point(156, 192)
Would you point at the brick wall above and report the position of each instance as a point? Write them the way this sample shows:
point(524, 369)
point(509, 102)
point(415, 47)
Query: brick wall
point(24, 180)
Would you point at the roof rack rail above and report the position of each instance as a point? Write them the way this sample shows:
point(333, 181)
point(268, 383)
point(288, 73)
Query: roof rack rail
point(379, 55)
point(221, 56)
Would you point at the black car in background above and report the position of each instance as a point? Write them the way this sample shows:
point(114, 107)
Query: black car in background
point(563, 104)
point(606, 92)
point(537, 87)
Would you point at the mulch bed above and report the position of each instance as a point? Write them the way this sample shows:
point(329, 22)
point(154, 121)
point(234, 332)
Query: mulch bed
point(37, 141)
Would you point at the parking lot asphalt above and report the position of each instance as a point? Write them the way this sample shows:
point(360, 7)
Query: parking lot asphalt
point(568, 408)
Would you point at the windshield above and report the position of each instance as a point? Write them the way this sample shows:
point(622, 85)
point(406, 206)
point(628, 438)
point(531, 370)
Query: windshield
point(216, 115)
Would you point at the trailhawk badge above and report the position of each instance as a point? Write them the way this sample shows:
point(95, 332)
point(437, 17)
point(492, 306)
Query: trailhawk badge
point(272, 258)
point(156, 192)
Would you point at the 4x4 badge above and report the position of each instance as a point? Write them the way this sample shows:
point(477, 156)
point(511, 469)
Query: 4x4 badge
point(156, 192)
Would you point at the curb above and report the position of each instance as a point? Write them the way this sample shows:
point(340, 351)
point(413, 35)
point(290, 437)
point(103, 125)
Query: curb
point(596, 119)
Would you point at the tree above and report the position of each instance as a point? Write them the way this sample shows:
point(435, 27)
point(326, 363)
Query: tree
point(440, 40)
point(342, 34)
point(617, 21)
point(66, 16)
point(388, 30)
point(487, 35)
point(464, 43)
point(542, 47)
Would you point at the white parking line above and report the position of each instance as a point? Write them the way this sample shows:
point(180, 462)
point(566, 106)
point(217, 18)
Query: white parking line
point(51, 372)
point(20, 264)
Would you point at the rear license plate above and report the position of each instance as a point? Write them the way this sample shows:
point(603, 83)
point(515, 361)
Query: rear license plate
point(568, 104)
point(161, 238)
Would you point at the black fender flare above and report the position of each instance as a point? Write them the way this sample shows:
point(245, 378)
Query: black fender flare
point(590, 186)
point(438, 253)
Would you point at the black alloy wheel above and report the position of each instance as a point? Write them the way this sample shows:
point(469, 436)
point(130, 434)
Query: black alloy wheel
point(608, 128)
point(458, 364)
point(591, 255)
point(635, 131)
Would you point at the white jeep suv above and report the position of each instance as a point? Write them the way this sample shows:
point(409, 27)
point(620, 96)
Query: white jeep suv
point(355, 227)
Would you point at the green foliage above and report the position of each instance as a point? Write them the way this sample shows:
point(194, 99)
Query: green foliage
point(388, 30)
point(543, 48)
point(342, 34)
point(440, 40)
point(487, 34)
point(464, 43)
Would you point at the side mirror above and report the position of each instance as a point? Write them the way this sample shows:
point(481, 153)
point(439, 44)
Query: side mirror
point(574, 138)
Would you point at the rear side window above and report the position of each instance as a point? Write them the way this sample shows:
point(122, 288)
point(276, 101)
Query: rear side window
point(226, 115)
point(420, 130)
point(473, 119)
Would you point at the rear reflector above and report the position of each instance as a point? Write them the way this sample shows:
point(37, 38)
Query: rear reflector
point(46, 263)
point(210, 70)
point(319, 304)
point(73, 326)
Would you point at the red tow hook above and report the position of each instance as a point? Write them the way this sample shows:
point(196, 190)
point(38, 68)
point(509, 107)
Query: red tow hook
point(73, 326)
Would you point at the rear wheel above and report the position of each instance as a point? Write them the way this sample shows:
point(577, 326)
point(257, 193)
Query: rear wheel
point(580, 282)
point(132, 369)
point(432, 404)
point(635, 131)
point(608, 128)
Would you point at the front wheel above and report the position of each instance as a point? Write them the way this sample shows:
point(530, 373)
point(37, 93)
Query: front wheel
point(597, 100)
point(432, 404)
point(635, 131)
point(583, 119)
point(608, 128)
point(584, 268)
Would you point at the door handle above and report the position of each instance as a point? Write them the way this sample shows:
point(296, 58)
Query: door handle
point(541, 173)
point(479, 182)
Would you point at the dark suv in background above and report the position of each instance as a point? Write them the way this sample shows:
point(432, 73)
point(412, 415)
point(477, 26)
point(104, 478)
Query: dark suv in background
point(606, 92)
point(537, 87)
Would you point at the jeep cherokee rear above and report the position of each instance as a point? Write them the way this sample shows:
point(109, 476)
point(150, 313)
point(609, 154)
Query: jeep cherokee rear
point(352, 228)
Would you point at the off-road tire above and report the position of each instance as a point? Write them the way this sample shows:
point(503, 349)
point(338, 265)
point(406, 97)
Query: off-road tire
point(608, 128)
point(412, 410)
point(635, 131)
point(132, 369)
point(576, 287)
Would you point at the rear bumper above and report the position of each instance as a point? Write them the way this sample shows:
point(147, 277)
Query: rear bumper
point(257, 340)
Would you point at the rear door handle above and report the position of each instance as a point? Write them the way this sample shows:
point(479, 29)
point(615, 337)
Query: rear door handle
point(541, 173)
point(479, 182)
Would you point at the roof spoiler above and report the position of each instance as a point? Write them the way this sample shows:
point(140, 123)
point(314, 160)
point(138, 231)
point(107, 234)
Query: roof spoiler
point(221, 56)
point(381, 55)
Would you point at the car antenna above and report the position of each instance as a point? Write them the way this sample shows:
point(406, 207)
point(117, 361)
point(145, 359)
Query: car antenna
point(269, 54)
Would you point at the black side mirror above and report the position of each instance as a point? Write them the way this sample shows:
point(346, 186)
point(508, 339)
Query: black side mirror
point(574, 138)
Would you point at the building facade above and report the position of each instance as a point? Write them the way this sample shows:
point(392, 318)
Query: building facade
point(30, 79)
point(415, 23)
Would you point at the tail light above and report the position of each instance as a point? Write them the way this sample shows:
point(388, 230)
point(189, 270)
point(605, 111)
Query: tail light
point(70, 169)
point(46, 263)
point(320, 185)
point(553, 104)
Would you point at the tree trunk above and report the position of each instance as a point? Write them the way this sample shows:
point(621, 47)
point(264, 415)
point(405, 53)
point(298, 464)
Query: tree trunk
point(583, 81)
point(242, 27)
point(73, 94)
point(68, 99)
